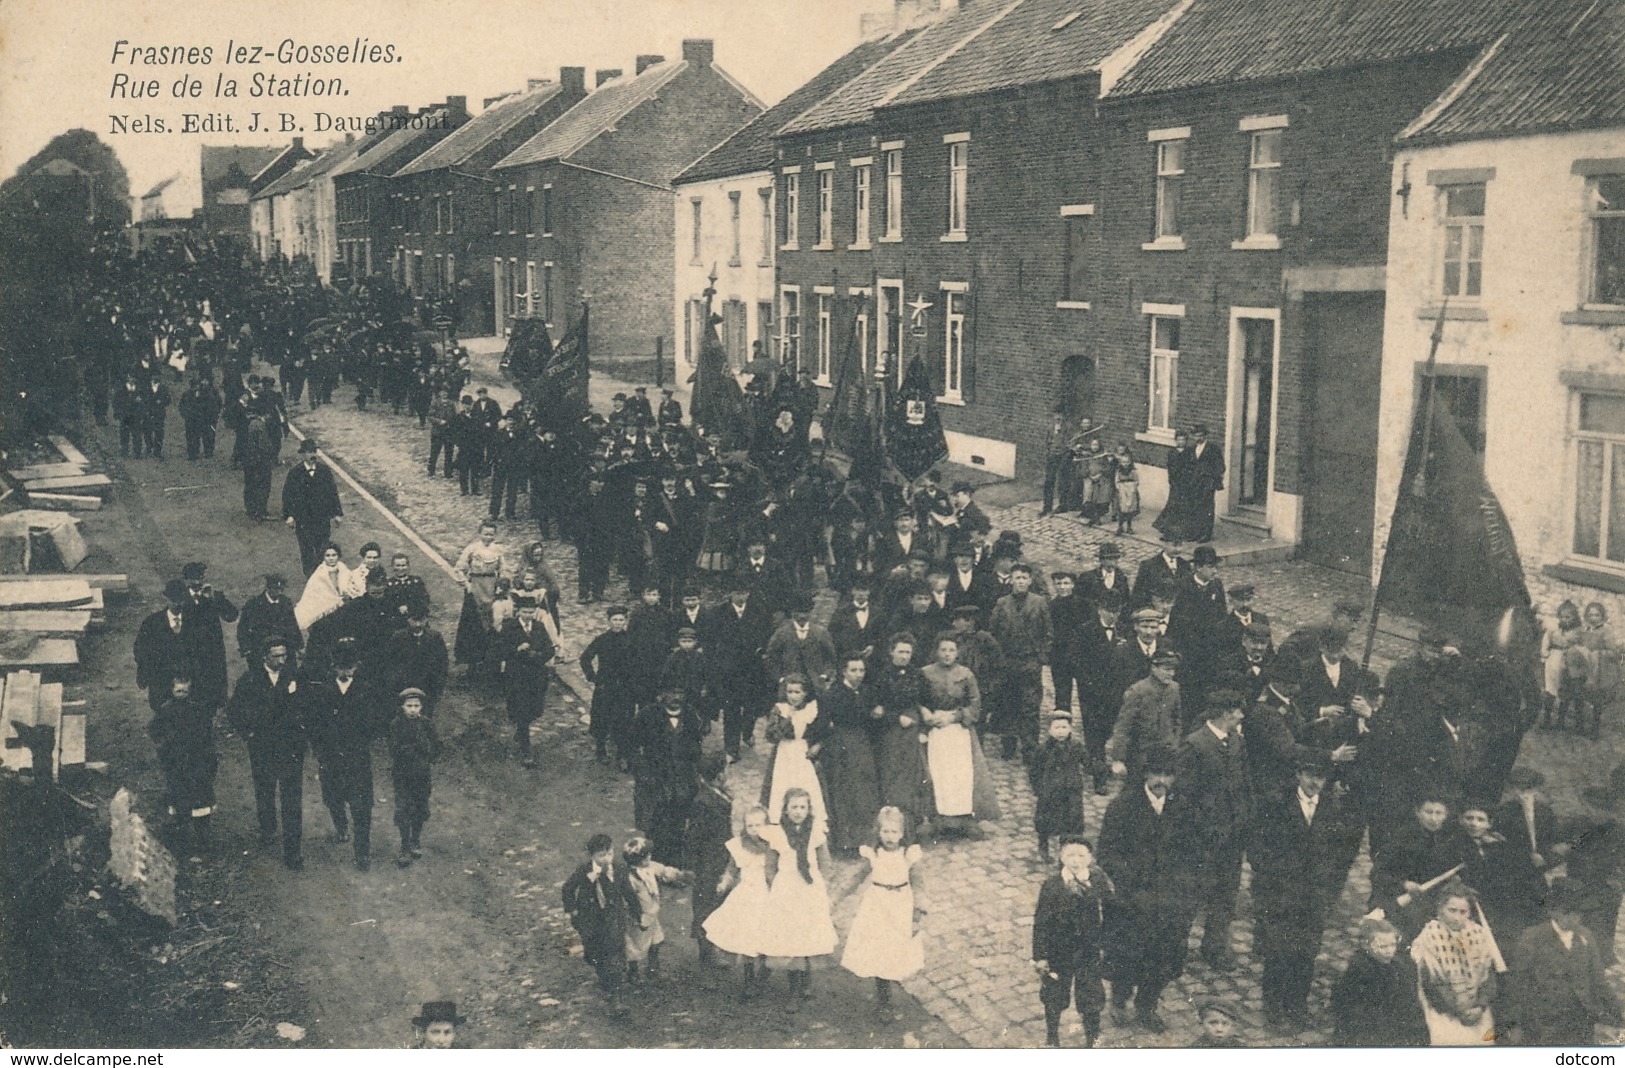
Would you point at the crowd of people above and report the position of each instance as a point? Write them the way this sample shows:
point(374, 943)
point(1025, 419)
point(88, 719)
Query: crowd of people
point(1220, 739)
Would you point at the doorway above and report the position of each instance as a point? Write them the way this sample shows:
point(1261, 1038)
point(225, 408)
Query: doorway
point(1077, 388)
point(1254, 337)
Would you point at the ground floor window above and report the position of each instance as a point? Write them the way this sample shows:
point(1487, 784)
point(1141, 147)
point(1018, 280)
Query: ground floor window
point(1599, 477)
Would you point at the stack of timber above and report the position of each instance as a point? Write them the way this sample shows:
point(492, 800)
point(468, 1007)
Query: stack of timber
point(28, 704)
point(67, 485)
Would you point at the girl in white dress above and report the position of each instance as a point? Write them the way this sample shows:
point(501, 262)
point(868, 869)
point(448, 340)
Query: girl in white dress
point(798, 901)
point(882, 944)
point(644, 877)
point(741, 924)
point(797, 731)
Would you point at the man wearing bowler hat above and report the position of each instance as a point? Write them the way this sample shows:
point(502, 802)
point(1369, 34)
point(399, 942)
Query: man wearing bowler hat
point(1106, 585)
point(436, 1026)
point(310, 504)
point(1213, 773)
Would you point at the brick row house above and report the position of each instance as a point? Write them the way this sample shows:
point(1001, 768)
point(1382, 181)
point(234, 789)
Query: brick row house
point(938, 199)
point(725, 221)
point(443, 203)
point(294, 217)
point(584, 208)
point(366, 216)
point(1157, 215)
point(1510, 218)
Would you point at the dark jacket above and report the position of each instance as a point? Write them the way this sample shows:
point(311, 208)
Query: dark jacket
point(269, 717)
point(310, 496)
point(262, 619)
point(1068, 926)
point(1375, 1004)
point(600, 909)
point(1215, 777)
point(417, 660)
point(1155, 579)
point(1557, 996)
point(160, 653)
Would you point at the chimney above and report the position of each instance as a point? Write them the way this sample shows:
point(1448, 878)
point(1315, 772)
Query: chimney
point(400, 109)
point(698, 52)
point(573, 81)
point(645, 62)
point(607, 76)
point(532, 84)
point(298, 144)
point(457, 108)
point(874, 24)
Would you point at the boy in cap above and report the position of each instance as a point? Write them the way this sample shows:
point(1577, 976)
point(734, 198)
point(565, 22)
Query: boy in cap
point(1106, 585)
point(1068, 935)
point(1021, 624)
point(600, 905)
point(607, 662)
point(183, 731)
point(413, 748)
point(671, 409)
point(1218, 1018)
point(436, 1025)
point(1148, 719)
point(1056, 776)
point(687, 670)
point(1213, 773)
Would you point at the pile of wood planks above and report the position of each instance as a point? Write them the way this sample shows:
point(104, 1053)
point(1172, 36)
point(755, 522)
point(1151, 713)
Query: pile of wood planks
point(28, 702)
point(43, 617)
point(67, 485)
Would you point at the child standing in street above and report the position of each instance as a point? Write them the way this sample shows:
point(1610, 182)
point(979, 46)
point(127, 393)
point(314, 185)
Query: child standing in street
point(644, 877)
point(1067, 930)
point(882, 943)
point(741, 924)
point(600, 908)
point(798, 903)
point(1127, 482)
point(797, 732)
point(413, 748)
point(1057, 774)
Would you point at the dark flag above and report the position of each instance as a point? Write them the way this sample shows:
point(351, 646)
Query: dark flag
point(1451, 558)
point(529, 352)
point(717, 403)
point(852, 420)
point(914, 438)
point(561, 397)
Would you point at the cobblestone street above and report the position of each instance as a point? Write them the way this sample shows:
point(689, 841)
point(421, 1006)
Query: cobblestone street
point(980, 892)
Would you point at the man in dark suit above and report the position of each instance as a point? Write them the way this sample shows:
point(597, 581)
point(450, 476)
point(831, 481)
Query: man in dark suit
point(968, 515)
point(343, 716)
point(898, 544)
point(593, 524)
point(1242, 616)
point(1159, 577)
point(734, 635)
point(671, 410)
point(1131, 659)
point(1205, 474)
point(1331, 678)
point(1107, 585)
point(204, 617)
point(1070, 617)
point(264, 709)
point(966, 584)
point(856, 627)
point(527, 650)
point(767, 579)
point(310, 504)
point(1298, 839)
point(267, 616)
point(1145, 848)
point(667, 737)
point(487, 415)
point(710, 827)
point(1557, 992)
point(1526, 820)
point(1214, 774)
point(164, 645)
point(1196, 625)
point(416, 657)
point(673, 538)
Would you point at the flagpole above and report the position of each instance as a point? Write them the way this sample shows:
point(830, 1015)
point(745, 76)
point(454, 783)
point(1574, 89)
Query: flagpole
point(1418, 487)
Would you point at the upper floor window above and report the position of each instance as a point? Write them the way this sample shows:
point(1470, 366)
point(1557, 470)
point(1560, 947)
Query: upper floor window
point(766, 258)
point(792, 209)
point(860, 204)
point(958, 174)
point(733, 228)
point(547, 209)
point(1605, 204)
point(1263, 182)
point(894, 193)
point(1463, 223)
point(696, 229)
point(826, 208)
point(1170, 184)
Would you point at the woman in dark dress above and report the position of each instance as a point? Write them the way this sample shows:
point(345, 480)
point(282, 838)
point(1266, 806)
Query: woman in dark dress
point(899, 691)
point(851, 758)
point(1374, 1002)
point(1177, 514)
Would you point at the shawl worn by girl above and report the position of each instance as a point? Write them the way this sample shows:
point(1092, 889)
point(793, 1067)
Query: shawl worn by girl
point(1455, 972)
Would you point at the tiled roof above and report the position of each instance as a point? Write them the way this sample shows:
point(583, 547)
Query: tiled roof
point(380, 152)
point(478, 132)
point(216, 160)
point(594, 114)
point(160, 187)
point(1563, 68)
point(1040, 41)
point(751, 147)
point(307, 170)
point(1231, 41)
point(854, 103)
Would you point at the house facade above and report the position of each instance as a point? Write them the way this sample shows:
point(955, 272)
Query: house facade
point(583, 210)
point(442, 201)
point(229, 176)
point(365, 215)
point(724, 222)
point(940, 206)
point(1512, 224)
